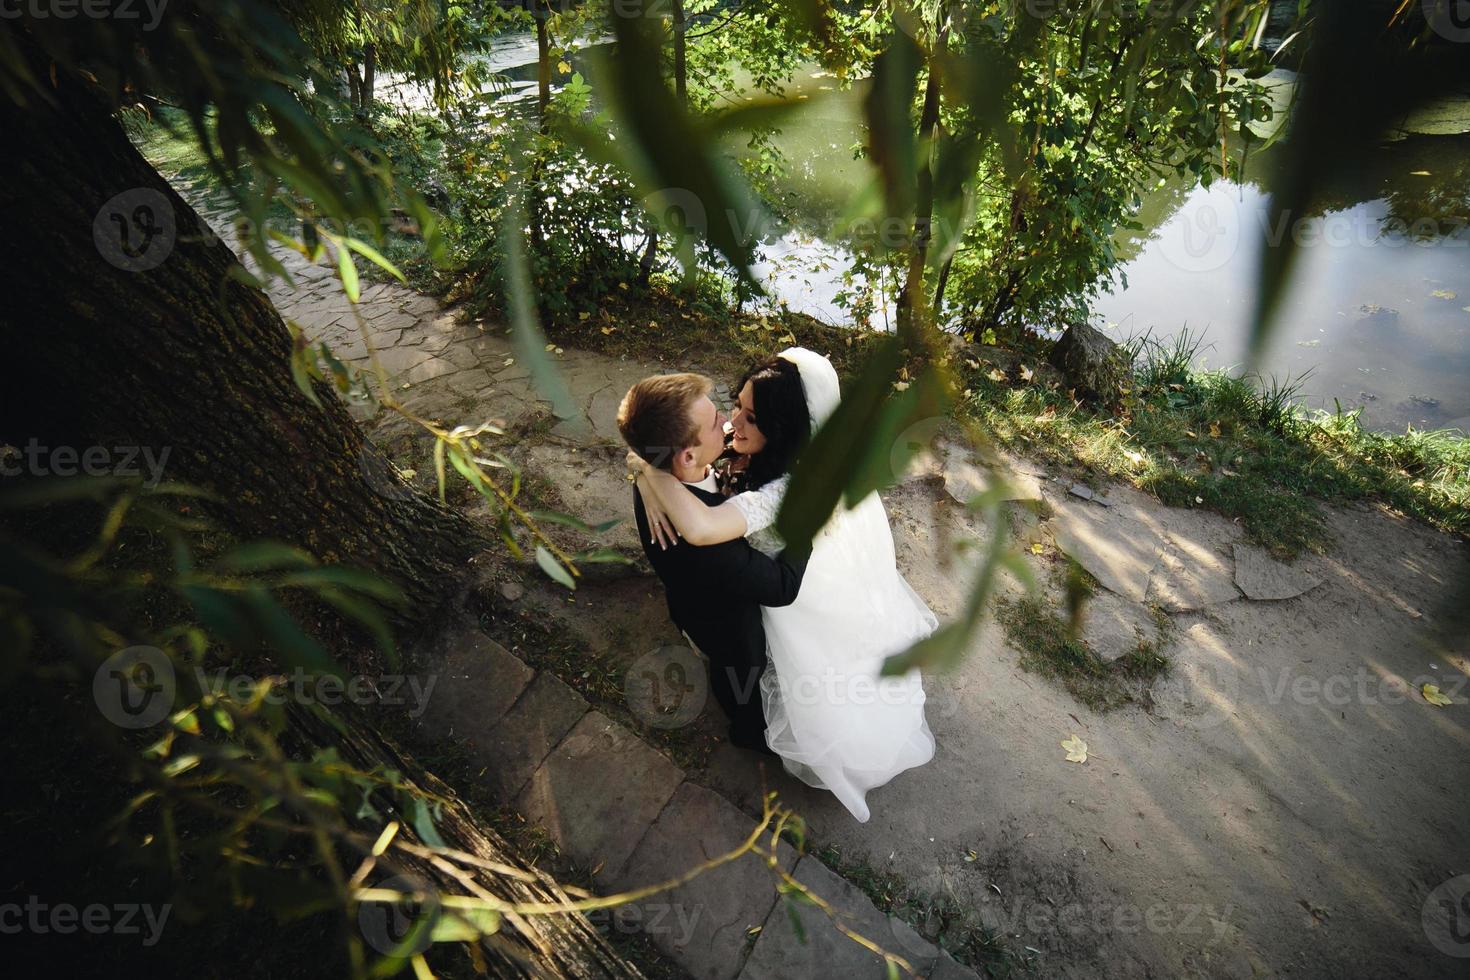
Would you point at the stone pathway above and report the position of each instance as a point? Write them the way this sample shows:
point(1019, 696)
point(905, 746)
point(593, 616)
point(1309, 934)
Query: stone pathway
point(616, 805)
point(1287, 803)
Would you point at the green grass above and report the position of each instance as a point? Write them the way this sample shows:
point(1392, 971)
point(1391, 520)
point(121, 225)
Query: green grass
point(1236, 445)
point(1049, 648)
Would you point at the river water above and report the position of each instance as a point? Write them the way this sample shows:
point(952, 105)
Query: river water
point(1377, 314)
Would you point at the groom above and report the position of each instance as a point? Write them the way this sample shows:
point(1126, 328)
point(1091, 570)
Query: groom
point(714, 592)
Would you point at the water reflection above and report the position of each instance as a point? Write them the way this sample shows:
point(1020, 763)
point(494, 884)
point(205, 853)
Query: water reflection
point(1379, 304)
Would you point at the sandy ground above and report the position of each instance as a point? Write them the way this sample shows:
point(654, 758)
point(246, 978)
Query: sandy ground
point(1288, 805)
point(1285, 806)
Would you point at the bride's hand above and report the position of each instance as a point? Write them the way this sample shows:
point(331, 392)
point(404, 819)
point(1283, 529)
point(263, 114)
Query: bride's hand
point(660, 528)
point(636, 464)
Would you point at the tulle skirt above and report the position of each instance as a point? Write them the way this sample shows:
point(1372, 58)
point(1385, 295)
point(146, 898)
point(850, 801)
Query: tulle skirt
point(837, 724)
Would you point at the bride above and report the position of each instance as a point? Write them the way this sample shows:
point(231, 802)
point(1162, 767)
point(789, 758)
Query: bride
point(835, 723)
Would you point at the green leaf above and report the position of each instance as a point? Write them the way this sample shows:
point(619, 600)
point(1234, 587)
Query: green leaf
point(557, 517)
point(351, 578)
point(795, 917)
point(666, 152)
point(507, 535)
point(858, 450)
point(348, 272)
point(293, 647)
point(466, 925)
point(888, 108)
point(553, 568)
point(369, 615)
point(263, 556)
point(527, 339)
point(423, 822)
point(439, 448)
point(607, 556)
point(373, 255)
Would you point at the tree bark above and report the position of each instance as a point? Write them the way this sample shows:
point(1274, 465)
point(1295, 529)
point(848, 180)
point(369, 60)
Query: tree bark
point(180, 357)
point(554, 945)
point(912, 293)
point(369, 75)
point(543, 67)
point(681, 68)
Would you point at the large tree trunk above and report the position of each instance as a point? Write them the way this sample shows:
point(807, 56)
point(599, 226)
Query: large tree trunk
point(178, 356)
point(553, 945)
point(369, 75)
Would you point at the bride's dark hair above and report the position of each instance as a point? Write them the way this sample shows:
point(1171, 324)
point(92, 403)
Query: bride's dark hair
point(781, 415)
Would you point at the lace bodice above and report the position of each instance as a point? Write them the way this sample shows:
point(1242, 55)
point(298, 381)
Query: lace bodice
point(759, 508)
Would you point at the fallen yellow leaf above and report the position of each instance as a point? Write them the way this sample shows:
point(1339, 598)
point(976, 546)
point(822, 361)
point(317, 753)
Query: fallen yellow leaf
point(1443, 294)
point(1076, 749)
point(1026, 373)
point(1432, 694)
point(996, 375)
point(1036, 548)
point(1214, 430)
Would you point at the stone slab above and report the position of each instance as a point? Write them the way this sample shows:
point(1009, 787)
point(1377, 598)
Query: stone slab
point(1262, 577)
point(1189, 578)
point(598, 792)
point(477, 682)
point(702, 925)
point(779, 952)
point(539, 719)
point(1114, 548)
point(964, 480)
point(1113, 627)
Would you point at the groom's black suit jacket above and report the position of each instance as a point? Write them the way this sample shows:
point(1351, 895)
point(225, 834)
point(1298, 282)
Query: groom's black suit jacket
point(715, 593)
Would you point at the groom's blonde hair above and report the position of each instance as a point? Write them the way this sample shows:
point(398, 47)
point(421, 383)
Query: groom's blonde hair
point(655, 417)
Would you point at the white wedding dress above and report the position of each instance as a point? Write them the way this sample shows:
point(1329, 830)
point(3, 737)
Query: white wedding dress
point(837, 724)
